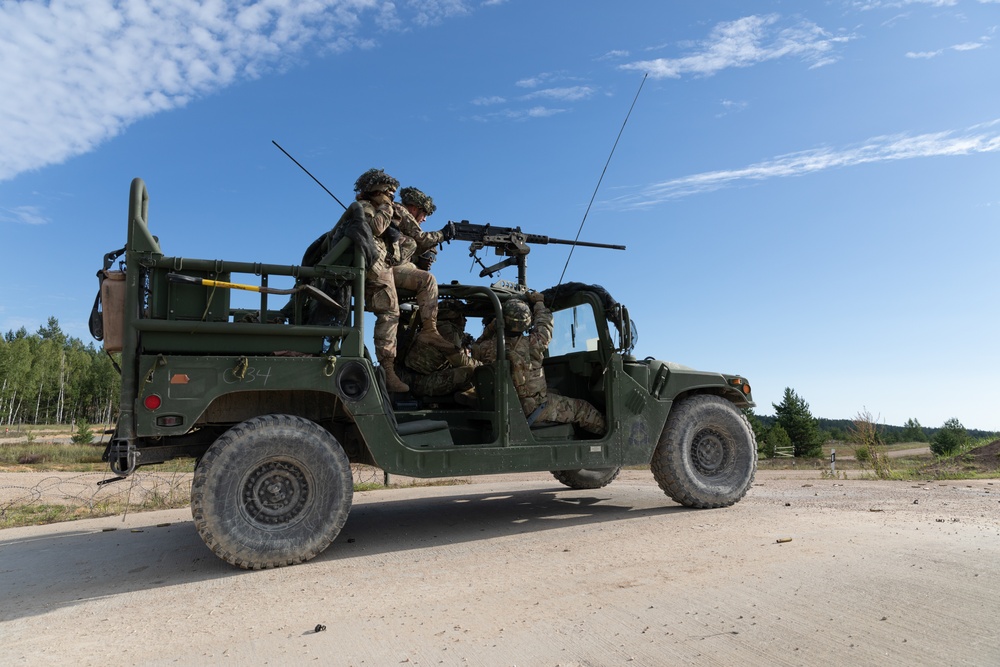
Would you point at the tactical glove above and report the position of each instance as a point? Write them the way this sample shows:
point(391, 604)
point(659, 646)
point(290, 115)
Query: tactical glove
point(448, 231)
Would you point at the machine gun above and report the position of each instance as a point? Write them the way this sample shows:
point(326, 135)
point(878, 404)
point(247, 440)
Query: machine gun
point(509, 242)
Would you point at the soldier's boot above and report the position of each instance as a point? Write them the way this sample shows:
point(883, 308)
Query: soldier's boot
point(466, 398)
point(429, 335)
point(392, 382)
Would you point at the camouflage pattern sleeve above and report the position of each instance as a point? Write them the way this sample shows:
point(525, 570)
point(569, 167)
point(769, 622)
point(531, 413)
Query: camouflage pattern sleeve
point(484, 350)
point(541, 335)
point(461, 359)
point(379, 218)
point(411, 228)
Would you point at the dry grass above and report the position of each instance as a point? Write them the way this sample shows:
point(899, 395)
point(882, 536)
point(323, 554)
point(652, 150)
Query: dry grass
point(865, 433)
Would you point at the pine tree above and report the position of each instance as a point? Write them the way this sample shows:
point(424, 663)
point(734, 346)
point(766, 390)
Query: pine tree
point(950, 438)
point(794, 417)
point(912, 432)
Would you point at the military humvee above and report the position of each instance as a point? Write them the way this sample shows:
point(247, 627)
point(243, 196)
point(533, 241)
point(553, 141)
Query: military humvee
point(275, 409)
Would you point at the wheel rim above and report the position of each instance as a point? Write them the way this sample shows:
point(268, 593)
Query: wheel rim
point(275, 494)
point(710, 452)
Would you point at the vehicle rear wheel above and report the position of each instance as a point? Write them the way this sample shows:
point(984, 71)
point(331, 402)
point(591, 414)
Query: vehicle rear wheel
point(587, 478)
point(274, 490)
point(707, 453)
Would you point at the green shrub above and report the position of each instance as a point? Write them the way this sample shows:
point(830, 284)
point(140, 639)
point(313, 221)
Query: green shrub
point(83, 435)
point(950, 438)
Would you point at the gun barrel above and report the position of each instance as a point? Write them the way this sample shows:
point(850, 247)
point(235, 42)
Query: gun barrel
point(587, 244)
point(468, 231)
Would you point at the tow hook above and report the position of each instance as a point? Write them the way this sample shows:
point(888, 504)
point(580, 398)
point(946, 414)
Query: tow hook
point(122, 451)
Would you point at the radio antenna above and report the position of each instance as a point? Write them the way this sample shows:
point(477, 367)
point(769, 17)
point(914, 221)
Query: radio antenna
point(307, 171)
point(587, 212)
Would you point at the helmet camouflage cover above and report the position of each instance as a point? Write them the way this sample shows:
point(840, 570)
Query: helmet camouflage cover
point(375, 180)
point(415, 197)
point(516, 315)
point(451, 309)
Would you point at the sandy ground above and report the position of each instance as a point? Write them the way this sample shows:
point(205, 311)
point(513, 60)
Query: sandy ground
point(521, 571)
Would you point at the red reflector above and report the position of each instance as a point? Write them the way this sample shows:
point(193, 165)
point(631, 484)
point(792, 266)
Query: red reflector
point(152, 402)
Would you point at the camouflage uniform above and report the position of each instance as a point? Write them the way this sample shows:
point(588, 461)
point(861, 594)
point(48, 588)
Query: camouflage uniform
point(411, 239)
point(414, 240)
point(407, 276)
point(380, 287)
point(526, 354)
point(484, 350)
point(373, 211)
point(432, 372)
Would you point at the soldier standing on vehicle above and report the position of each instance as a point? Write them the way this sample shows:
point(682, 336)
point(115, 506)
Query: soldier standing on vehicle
point(526, 354)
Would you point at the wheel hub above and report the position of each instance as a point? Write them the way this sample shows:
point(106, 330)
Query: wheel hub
point(709, 452)
point(275, 493)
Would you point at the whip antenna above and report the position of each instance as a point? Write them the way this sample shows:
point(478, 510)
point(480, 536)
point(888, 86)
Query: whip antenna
point(593, 196)
point(307, 171)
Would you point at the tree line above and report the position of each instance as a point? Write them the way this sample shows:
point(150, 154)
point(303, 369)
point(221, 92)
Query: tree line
point(794, 428)
point(50, 378)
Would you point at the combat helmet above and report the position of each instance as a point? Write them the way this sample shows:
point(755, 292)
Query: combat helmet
point(516, 316)
point(375, 180)
point(415, 197)
point(451, 309)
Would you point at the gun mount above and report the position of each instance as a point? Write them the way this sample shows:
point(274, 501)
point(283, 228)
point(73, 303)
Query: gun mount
point(509, 242)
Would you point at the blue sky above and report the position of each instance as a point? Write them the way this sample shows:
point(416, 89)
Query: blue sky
point(809, 192)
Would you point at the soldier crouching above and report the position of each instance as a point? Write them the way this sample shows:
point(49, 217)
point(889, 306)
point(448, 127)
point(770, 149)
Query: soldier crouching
point(432, 372)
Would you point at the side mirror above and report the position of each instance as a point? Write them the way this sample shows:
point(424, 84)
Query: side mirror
point(627, 335)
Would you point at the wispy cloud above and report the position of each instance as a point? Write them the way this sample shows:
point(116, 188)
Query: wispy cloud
point(745, 42)
point(983, 138)
point(519, 114)
point(731, 106)
point(517, 109)
point(432, 12)
point(570, 94)
point(535, 81)
point(488, 101)
point(614, 55)
point(896, 4)
point(965, 46)
point(24, 215)
point(76, 73)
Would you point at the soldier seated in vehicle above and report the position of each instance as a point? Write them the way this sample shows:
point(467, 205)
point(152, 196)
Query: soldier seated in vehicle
point(431, 372)
point(527, 332)
point(408, 242)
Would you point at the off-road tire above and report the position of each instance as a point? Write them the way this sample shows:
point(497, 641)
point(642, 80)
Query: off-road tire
point(587, 478)
point(707, 453)
point(274, 490)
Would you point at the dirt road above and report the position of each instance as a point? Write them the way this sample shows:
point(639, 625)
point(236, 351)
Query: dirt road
point(527, 572)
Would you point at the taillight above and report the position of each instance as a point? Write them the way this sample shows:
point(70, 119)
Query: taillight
point(152, 402)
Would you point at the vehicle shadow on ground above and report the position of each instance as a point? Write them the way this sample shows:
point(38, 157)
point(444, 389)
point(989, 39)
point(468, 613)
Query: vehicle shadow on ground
point(39, 574)
point(442, 520)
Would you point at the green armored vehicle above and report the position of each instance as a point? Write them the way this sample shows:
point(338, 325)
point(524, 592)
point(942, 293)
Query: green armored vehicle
point(275, 409)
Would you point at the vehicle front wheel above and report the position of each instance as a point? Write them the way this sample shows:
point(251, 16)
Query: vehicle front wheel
point(587, 478)
point(707, 453)
point(274, 490)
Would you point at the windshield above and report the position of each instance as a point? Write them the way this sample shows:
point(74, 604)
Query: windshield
point(574, 330)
